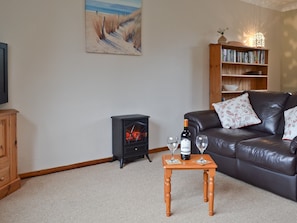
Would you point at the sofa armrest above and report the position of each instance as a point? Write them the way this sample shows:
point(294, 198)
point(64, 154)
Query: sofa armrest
point(203, 120)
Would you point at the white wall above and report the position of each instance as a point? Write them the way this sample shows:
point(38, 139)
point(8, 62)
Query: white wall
point(289, 44)
point(66, 96)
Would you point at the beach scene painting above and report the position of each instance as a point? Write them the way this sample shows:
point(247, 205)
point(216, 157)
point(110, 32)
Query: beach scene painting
point(113, 26)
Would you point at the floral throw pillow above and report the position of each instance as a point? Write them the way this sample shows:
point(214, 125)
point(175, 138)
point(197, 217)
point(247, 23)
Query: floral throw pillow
point(236, 112)
point(290, 123)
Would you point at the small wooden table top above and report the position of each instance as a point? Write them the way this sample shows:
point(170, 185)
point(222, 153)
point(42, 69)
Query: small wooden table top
point(208, 177)
point(189, 164)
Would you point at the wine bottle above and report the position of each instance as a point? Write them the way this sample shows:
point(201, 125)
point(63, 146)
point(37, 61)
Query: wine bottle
point(185, 142)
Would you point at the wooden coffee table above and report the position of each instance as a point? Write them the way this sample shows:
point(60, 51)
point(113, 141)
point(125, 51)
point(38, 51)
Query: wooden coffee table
point(209, 171)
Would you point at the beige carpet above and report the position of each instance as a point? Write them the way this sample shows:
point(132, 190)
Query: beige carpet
point(105, 193)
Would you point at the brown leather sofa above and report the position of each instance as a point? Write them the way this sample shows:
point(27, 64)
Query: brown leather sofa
point(255, 154)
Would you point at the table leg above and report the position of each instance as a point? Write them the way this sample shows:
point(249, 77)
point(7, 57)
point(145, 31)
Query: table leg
point(167, 190)
point(205, 185)
point(211, 174)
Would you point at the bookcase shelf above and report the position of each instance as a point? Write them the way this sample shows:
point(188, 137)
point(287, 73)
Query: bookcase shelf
point(247, 64)
point(245, 75)
point(246, 67)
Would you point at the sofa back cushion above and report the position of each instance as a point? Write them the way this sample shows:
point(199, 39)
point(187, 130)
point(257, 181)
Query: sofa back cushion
point(269, 107)
point(291, 103)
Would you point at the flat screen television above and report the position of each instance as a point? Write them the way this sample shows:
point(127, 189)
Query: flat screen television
point(3, 73)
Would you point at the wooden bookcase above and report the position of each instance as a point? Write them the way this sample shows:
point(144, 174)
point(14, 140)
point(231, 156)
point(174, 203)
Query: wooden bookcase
point(246, 67)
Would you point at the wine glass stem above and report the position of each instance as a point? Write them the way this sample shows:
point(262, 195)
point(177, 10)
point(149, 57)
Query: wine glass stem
point(172, 158)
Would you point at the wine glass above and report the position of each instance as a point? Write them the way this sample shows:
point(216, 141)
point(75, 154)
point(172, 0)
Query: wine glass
point(202, 143)
point(172, 143)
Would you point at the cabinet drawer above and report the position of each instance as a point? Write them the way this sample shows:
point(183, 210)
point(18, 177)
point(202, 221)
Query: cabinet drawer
point(135, 150)
point(4, 176)
point(4, 162)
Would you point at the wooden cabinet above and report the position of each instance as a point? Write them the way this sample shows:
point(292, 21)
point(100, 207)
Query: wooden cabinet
point(9, 179)
point(245, 67)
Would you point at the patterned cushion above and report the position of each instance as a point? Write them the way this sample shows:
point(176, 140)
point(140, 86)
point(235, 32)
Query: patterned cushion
point(290, 123)
point(236, 112)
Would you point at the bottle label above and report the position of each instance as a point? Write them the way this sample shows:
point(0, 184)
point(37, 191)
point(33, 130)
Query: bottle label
point(185, 147)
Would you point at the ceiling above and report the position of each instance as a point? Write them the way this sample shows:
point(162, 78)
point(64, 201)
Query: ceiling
point(279, 5)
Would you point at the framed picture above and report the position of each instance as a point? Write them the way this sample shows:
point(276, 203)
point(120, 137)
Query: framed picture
point(113, 26)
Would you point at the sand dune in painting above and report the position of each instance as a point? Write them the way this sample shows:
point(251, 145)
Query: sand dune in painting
point(113, 34)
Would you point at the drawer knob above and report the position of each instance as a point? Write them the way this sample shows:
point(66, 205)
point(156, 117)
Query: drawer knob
point(2, 179)
point(135, 148)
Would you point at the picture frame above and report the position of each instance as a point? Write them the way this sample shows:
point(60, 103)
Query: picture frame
point(113, 26)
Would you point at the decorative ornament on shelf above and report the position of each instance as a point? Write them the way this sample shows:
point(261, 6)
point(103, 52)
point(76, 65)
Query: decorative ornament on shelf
point(259, 40)
point(222, 39)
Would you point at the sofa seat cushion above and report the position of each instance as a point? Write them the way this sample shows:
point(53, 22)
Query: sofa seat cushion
point(223, 141)
point(269, 152)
